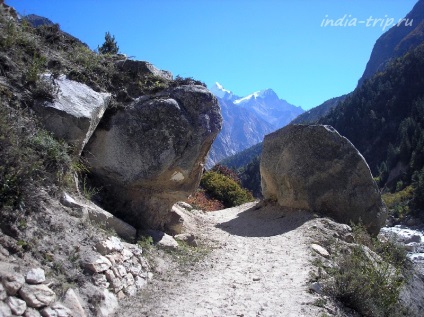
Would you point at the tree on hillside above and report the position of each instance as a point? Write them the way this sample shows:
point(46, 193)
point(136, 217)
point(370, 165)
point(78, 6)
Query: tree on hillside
point(110, 46)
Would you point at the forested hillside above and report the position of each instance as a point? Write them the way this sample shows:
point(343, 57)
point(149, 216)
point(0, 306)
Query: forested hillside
point(384, 119)
point(396, 42)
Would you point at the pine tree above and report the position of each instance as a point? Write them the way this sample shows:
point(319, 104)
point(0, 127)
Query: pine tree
point(110, 46)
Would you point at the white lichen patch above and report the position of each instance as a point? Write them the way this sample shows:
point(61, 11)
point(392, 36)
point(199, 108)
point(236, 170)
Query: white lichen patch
point(177, 177)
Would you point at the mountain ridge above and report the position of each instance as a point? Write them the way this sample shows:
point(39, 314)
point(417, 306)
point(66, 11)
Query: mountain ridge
point(396, 41)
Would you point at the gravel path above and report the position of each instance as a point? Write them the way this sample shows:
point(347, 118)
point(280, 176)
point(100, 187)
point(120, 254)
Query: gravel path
point(260, 268)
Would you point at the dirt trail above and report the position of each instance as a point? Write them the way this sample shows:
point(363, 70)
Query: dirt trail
point(260, 268)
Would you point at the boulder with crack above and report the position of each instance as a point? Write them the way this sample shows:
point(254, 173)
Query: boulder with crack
point(150, 155)
point(74, 110)
point(315, 168)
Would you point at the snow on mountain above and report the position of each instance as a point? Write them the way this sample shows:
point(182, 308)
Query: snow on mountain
point(267, 93)
point(219, 91)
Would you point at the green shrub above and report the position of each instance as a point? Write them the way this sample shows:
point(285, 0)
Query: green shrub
point(369, 287)
point(53, 154)
point(368, 278)
point(398, 202)
point(145, 242)
point(418, 179)
point(225, 189)
point(178, 81)
point(35, 68)
point(28, 156)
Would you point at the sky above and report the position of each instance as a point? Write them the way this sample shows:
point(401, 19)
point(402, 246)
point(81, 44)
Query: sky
point(246, 45)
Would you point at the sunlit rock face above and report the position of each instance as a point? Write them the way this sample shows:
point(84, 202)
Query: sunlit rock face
point(151, 154)
point(315, 168)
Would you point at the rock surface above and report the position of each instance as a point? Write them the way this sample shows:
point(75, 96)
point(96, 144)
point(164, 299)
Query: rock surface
point(109, 221)
point(320, 250)
point(151, 154)
point(3, 294)
point(315, 168)
point(167, 242)
point(72, 301)
point(5, 310)
point(74, 112)
point(112, 244)
point(12, 283)
point(96, 263)
point(142, 68)
point(17, 306)
point(37, 296)
point(32, 312)
point(35, 276)
point(56, 310)
point(109, 305)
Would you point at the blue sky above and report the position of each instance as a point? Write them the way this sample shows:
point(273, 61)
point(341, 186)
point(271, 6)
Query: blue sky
point(245, 45)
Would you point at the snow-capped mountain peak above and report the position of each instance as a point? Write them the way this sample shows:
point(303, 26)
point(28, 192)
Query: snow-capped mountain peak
point(218, 90)
point(267, 93)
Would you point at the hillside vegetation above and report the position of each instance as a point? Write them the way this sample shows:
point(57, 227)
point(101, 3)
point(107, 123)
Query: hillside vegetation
point(220, 188)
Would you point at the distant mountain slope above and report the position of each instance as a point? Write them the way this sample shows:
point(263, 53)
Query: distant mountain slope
point(246, 120)
point(37, 20)
point(241, 128)
point(314, 114)
point(266, 105)
point(396, 41)
point(242, 158)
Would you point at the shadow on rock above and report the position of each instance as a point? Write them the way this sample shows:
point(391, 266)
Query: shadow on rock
point(265, 221)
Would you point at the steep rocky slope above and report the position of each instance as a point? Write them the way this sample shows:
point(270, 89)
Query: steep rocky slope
point(313, 115)
point(396, 42)
point(123, 109)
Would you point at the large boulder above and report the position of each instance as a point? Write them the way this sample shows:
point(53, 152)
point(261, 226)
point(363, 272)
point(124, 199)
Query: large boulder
point(74, 110)
point(315, 168)
point(150, 155)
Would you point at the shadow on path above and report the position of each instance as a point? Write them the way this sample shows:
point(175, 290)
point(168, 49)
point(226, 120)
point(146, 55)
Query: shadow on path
point(265, 221)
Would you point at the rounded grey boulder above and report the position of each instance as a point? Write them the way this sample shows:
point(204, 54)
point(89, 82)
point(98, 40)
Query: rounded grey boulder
point(315, 168)
point(150, 155)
